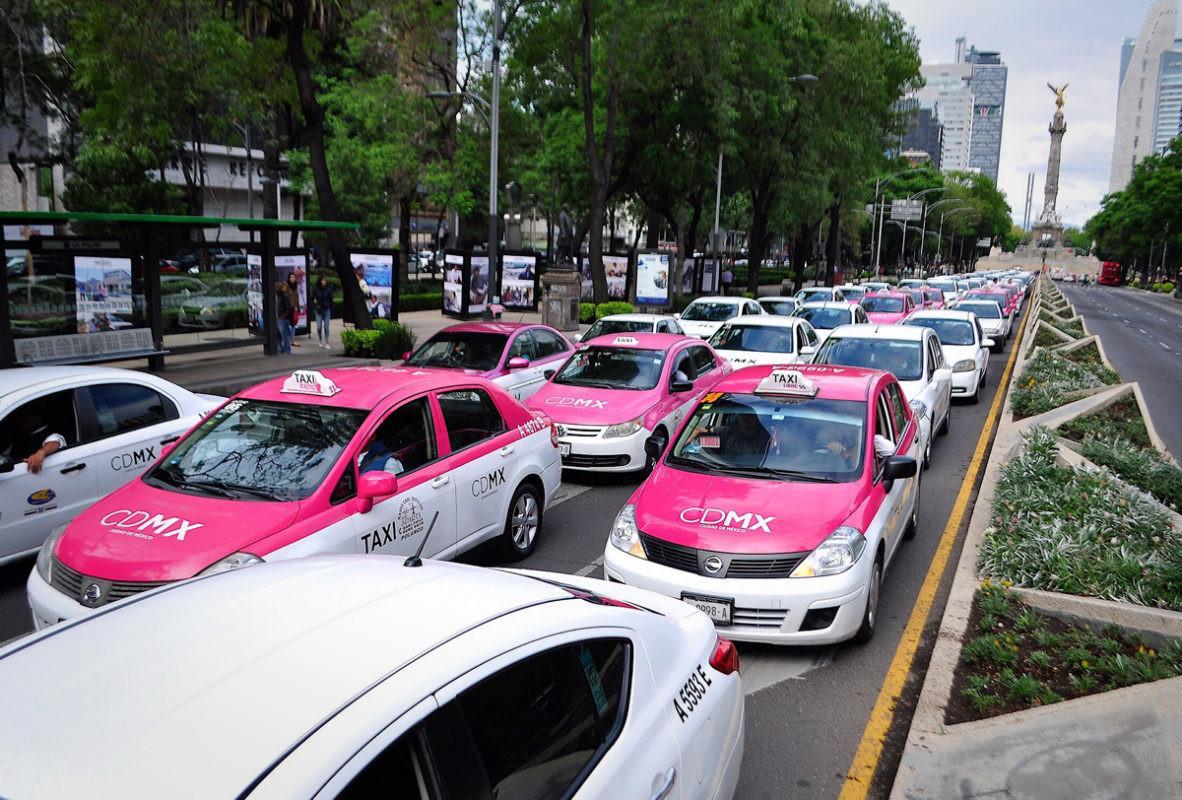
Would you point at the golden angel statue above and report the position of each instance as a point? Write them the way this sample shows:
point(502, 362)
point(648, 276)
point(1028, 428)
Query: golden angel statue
point(1058, 94)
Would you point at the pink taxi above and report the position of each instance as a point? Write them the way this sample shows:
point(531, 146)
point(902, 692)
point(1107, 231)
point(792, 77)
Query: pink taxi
point(615, 392)
point(390, 461)
point(779, 505)
point(1008, 303)
point(888, 308)
point(514, 356)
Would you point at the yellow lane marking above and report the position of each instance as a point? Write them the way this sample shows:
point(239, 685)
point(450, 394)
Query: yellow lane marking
point(861, 771)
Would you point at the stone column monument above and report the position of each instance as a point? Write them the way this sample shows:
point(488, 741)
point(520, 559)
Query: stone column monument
point(1048, 230)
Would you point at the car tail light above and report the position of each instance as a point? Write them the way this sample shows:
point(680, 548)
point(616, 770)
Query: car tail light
point(725, 658)
point(553, 434)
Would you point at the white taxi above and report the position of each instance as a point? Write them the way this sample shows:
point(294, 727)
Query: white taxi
point(965, 346)
point(616, 324)
point(825, 316)
point(350, 677)
point(747, 341)
point(370, 460)
point(705, 315)
point(93, 428)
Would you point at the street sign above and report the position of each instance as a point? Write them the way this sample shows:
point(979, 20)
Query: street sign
point(907, 210)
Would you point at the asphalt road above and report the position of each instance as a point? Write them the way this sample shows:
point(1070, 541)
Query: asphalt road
point(806, 707)
point(1142, 336)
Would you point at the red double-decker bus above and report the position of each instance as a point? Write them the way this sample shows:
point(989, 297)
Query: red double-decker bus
point(1109, 274)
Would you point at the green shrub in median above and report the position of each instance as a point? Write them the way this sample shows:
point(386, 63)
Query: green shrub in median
point(1120, 418)
point(586, 313)
point(386, 339)
point(1050, 380)
point(1047, 340)
point(613, 307)
point(1088, 355)
point(1079, 531)
point(1145, 468)
point(1072, 327)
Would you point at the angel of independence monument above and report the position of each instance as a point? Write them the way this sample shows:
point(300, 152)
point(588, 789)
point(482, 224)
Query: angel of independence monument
point(1047, 239)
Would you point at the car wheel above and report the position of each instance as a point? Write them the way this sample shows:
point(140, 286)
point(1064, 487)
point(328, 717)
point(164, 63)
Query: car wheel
point(927, 453)
point(870, 615)
point(976, 395)
point(523, 523)
point(913, 524)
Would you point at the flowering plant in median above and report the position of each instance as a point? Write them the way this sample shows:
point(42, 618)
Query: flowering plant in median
point(1050, 380)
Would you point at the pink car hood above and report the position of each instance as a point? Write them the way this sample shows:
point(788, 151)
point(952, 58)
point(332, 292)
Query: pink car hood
point(583, 405)
point(141, 533)
point(737, 515)
point(886, 317)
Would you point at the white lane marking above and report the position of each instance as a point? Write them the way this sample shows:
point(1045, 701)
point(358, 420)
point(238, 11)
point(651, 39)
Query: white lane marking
point(583, 572)
point(1143, 331)
point(767, 665)
point(1127, 322)
point(1166, 346)
point(567, 491)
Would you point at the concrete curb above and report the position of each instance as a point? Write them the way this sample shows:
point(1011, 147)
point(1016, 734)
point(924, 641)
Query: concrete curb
point(928, 731)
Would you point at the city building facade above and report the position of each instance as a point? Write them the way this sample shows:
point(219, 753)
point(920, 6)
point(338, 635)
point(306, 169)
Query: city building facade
point(1167, 112)
point(948, 93)
point(988, 83)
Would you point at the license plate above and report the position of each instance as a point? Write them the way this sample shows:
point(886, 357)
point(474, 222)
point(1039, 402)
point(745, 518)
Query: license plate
point(564, 448)
point(717, 608)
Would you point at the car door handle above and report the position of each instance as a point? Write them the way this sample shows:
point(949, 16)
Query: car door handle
point(73, 468)
point(170, 439)
point(507, 450)
point(441, 481)
point(666, 785)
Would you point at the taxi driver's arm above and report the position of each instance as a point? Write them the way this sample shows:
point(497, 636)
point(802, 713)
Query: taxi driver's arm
point(53, 442)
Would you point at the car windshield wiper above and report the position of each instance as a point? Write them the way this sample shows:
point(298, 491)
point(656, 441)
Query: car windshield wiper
point(795, 475)
point(232, 489)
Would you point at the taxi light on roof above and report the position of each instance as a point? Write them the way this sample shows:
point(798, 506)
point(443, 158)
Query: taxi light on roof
point(625, 340)
point(309, 381)
point(788, 382)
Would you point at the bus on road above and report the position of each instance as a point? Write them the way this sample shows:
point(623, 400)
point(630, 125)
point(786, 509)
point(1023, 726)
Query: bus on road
point(1109, 274)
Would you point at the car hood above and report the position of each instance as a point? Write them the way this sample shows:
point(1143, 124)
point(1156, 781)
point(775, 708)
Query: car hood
point(886, 317)
point(737, 515)
point(574, 405)
point(912, 389)
point(142, 533)
point(954, 353)
point(747, 358)
point(700, 327)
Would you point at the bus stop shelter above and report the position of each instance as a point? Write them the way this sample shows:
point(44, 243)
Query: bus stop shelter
point(68, 299)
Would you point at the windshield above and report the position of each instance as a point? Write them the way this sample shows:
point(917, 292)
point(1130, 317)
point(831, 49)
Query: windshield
point(814, 295)
point(824, 318)
point(903, 359)
point(882, 304)
point(947, 287)
point(613, 368)
point(770, 437)
point(709, 312)
point(460, 350)
point(949, 331)
point(783, 308)
point(753, 338)
point(259, 450)
point(982, 310)
point(854, 293)
point(606, 327)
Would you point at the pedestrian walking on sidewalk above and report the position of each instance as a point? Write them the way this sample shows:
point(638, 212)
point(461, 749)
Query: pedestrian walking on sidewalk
point(728, 278)
point(284, 312)
point(294, 283)
point(322, 303)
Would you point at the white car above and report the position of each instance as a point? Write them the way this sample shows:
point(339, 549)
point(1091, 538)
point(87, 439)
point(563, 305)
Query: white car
point(993, 319)
point(913, 355)
point(114, 423)
point(948, 287)
point(852, 293)
point(824, 317)
point(781, 306)
point(748, 341)
point(614, 324)
point(820, 294)
point(875, 286)
point(965, 346)
point(705, 315)
point(911, 283)
point(355, 677)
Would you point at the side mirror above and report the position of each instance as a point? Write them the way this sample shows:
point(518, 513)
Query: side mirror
point(677, 315)
point(548, 374)
point(164, 451)
point(655, 445)
point(987, 343)
point(6, 464)
point(899, 467)
point(578, 337)
point(681, 386)
point(808, 350)
point(374, 486)
point(942, 374)
point(518, 362)
point(406, 356)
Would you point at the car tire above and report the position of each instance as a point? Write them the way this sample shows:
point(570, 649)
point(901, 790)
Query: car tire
point(650, 462)
point(913, 524)
point(870, 614)
point(976, 395)
point(944, 426)
point(523, 523)
point(927, 453)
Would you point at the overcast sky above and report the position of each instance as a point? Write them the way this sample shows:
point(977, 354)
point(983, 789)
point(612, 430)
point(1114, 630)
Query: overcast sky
point(1041, 41)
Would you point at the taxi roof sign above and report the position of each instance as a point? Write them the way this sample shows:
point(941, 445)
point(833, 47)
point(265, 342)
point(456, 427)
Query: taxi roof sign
point(309, 381)
point(788, 382)
point(625, 340)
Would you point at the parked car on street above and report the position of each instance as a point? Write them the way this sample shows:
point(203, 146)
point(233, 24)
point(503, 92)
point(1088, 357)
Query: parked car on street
point(965, 346)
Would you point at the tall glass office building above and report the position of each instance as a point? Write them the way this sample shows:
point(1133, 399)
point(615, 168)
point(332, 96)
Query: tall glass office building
point(988, 82)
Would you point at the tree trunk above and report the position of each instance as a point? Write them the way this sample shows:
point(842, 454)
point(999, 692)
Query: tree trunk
point(313, 115)
point(404, 238)
point(652, 229)
point(595, 249)
point(757, 246)
point(834, 242)
point(800, 255)
point(599, 165)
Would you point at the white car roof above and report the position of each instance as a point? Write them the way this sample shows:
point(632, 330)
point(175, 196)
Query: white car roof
point(963, 316)
point(718, 299)
point(766, 321)
point(777, 298)
point(25, 377)
point(197, 688)
point(635, 317)
point(872, 331)
point(827, 304)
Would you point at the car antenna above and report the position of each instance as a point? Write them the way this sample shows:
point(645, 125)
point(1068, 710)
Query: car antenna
point(415, 561)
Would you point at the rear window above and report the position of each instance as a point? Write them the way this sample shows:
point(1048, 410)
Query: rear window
point(710, 312)
point(784, 308)
point(882, 304)
point(606, 327)
point(824, 318)
point(814, 295)
point(753, 338)
point(953, 332)
point(982, 310)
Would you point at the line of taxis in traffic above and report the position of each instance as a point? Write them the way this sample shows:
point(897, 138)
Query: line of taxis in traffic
point(782, 475)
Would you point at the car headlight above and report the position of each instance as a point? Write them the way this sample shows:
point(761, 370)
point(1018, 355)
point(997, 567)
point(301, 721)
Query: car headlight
point(45, 554)
point(919, 407)
point(840, 551)
point(231, 562)
point(625, 535)
point(622, 429)
point(964, 365)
